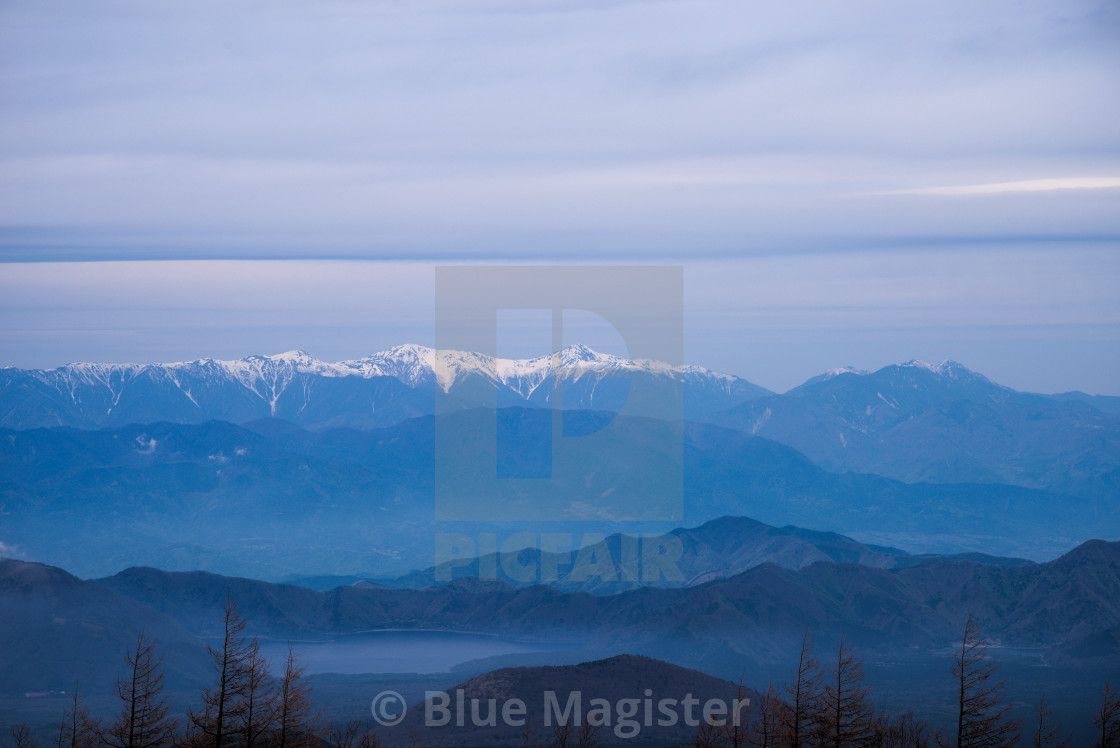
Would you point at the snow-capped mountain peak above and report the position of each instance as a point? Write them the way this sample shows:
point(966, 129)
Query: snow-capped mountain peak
point(947, 368)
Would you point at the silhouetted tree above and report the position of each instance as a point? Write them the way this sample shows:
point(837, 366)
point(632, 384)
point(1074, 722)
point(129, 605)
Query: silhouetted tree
point(588, 735)
point(143, 720)
point(765, 729)
point(1045, 733)
point(735, 731)
point(216, 724)
point(356, 734)
point(981, 720)
point(258, 708)
point(845, 716)
point(295, 723)
point(707, 736)
point(74, 729)
point(1107, 719)
point(904, 731)
point(804, 698)
point(562, 734)
point(21, 736)
point(527, 738)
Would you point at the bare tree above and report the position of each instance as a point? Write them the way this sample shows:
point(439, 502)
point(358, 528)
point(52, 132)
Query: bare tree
point(295, 723)
point(904, 731)
point(369, 739)
point(344, 735)
point(216, 724)
point(527, 738)
point(982, 721)
point(143, 720)
point(1045, 733)
point(258, 707)
point(707, 736)
point(75, 727)
point(764, 730)
point(734, 731)
point(562, 734)
point(1107, 719)
point(845, 716)
point(21, 736)
point(588, 735)
point(356, 734)
point(804, 698)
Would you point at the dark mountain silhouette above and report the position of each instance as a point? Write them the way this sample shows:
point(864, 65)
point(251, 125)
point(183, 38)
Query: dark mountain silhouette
point(719, 548)
point(56, 629)
point(757, 615)
point(613, 679)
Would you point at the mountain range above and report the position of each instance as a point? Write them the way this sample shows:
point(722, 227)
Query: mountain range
point(1061, 619)
point(269, 499)
point(1068, 609)
point(720, 548)
point(914, 422)
point(56, 629)
point(943, 424)
point(378, 390)
point(52, 622)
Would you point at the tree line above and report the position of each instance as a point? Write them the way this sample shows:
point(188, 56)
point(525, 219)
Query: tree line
point(828, 706)
point(247, 705)
point(823, 706)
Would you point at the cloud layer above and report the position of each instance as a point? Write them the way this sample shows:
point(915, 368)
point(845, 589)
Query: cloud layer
point(846, 182)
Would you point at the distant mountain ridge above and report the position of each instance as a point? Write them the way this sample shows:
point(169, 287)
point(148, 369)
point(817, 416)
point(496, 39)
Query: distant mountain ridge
point(943, 423)
point(56, 629)
point(719, 548)
point(761, 612)
point(271, 499)
point(377, 390)
point(916, 421)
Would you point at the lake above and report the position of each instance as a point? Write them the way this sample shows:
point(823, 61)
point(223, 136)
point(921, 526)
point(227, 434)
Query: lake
point(395, 651)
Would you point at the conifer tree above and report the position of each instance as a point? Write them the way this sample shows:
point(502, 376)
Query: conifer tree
point(1107, 719)
point(804, 698)
point(143, 720)
point(75, 730)
point(217, 723)
point(983, 720)
point(845, 716)
point(295, 723)
point(764, 730)
point(1045, 732)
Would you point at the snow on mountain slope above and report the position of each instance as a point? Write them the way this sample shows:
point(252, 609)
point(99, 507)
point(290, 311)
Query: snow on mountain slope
point(298, 386)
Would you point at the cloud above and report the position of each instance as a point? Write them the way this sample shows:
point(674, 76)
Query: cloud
point(442, 131)
point(1024, 185)
point(414, 129)
point(10, 551)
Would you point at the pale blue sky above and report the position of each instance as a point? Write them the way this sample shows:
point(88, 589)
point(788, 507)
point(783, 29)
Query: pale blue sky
point(845, 183)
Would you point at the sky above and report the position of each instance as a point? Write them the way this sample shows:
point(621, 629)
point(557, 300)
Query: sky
point(844, 183)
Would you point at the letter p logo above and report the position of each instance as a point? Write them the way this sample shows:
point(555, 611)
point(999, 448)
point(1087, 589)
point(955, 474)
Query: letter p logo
point(554, 460)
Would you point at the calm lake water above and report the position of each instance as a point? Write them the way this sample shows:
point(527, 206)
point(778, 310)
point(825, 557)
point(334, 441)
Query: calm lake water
point(395, 651)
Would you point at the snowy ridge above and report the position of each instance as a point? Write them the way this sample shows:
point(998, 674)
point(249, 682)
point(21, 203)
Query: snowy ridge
point(414, 365)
